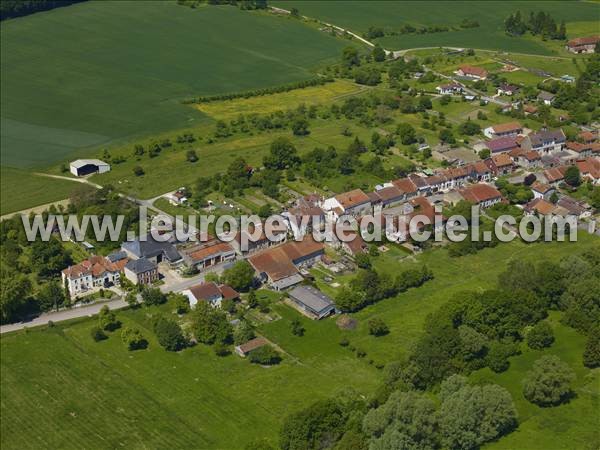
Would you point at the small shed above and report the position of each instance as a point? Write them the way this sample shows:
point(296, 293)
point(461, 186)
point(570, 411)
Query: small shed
point(253, 344)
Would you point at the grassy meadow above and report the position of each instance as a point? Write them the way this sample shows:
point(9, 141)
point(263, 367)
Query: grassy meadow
point(72, 392)
point(215, 155)
point(98, 72)
point(265, 104)
point(359, 16)
point(21, 189)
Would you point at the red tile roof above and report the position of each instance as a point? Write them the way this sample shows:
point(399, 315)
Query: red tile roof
point(581, 41)
point(502, 160)
point(472, 70)
point(390, 193)
point(352, 198)
point(228, 292)
point(506, 127)
point(479, 193)
point(405, 185)
point(205, 291)
point(296, 250)
point(95, 266)
point(555, 174)
point(252, 345)
point(210, 251)
point(274, 262)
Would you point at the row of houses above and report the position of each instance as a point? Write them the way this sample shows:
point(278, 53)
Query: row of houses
point(546, 148)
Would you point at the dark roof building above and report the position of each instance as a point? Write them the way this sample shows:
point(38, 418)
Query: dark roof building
point(312, 301)
point(151, 249)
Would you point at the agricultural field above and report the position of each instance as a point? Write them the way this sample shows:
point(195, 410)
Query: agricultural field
point(62, 96)
point(70, 386)
point(359, 16)
point(22, 190)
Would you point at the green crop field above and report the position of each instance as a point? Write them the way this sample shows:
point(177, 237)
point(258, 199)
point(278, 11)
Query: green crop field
point(359, 16)
point(71, 392)
point(83, 76)
point(21, 190)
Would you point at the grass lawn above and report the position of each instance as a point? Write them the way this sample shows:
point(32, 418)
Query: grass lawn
point(100, 77)
point(359, 16)
point(71, 392)
point(22, 190)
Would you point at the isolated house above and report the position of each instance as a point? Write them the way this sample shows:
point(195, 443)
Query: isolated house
point(507, 89)
point(582, 44)
point(450, 89)
point(210, 292)
point(547, 98)
point(475, 73)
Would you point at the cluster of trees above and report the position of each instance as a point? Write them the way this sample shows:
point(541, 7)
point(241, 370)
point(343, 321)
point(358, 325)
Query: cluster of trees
point(133, 339)
point(30, 272)
point(103, 202)
point(515, 193)
point(370, 287)
point(265, 356)
point(240, 276)
point(169, 334)
point(318, 81)
point(579, 99)
point(478, 329)
point(538, 23)
point(211, 326)
point(465, 417)
point(19, 8)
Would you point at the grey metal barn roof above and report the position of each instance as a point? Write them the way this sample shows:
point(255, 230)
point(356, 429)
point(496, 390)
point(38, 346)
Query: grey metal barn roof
point(79, 163)
point(311, 297)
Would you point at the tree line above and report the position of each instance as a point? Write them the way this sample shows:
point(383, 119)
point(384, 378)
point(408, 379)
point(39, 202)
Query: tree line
point(317, 81)
point(539, 23)
point(19, 8)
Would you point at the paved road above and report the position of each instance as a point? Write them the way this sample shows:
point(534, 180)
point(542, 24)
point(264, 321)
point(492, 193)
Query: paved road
point(67, 314)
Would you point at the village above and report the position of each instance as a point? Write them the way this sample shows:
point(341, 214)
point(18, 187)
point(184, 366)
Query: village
point(539, 161)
